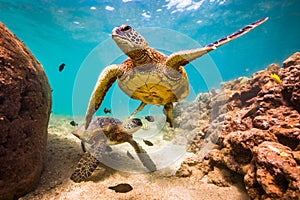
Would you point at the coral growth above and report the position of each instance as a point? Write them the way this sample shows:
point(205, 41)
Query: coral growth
point(264, 146)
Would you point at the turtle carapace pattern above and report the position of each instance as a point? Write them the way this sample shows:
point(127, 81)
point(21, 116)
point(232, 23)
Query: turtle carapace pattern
point(149, 75)
point(104, 131)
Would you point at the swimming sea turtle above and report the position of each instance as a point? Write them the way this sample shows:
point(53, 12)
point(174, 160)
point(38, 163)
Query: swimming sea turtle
point(101, 132)
point(148, 75)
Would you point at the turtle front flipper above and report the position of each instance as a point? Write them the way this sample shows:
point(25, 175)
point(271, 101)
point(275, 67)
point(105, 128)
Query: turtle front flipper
point(143, 155)
point(105, 80)
point(85, 167)
point(182, 58)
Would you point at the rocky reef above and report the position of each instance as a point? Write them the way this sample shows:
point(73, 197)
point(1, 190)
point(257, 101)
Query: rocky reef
point(255, 125)
point(25, 106)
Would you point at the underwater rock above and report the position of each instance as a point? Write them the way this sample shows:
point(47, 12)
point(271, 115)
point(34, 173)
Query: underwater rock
point(25, 106)
point(221, 177)
point(242, 143)
point(275, 173)
point(187, 118)
point(245, 93)
point(288, 130)
point(292, 60)
point(291, 85)
point(193, 166)
point(277, 121)
point(246, 146)
point(262, 122)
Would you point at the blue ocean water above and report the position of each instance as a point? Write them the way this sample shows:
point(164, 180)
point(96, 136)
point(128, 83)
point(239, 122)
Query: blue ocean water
point(77, 33)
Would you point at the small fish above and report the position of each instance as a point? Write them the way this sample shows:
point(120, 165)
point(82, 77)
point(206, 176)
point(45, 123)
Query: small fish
point(73, 123)
point(107, 110)
point(121, 188)
point(149, 118)
point(61, 67)
point(276, 78)
point(108, 149)
point(147, 142)
point(129, 155)
point(251, 112)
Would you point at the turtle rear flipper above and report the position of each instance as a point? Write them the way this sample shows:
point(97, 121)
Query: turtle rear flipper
point(85, 167)
point(143, 155)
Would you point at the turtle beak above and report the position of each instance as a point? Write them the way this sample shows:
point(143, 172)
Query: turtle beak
point(116, 31)
point(76, 134)
point(118, 36)
point(120, 30)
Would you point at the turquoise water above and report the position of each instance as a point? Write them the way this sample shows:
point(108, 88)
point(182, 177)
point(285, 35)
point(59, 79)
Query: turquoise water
point(77, 33)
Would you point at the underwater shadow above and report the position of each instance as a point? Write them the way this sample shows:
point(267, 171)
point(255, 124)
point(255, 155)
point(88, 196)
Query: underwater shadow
point(101, 173)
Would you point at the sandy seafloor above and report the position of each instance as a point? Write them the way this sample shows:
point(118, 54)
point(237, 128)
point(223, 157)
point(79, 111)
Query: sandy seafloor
point(64, 151)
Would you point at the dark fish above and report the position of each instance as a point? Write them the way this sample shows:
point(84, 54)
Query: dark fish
point(251, 112)
point(107, 110)
point(73, 123)
point(61, 67)
point(149, 118)
point(108, 149)
point(129, 155)
point(147, 142)
point(121, 188)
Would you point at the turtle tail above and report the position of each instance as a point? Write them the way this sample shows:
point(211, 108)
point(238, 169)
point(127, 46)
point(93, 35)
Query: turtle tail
point(143, 156)
point(85, 167)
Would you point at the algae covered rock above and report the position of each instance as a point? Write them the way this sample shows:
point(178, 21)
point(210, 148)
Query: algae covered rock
point(275, 173)
point(263, 147)
point(25, 106)
point(292, 60)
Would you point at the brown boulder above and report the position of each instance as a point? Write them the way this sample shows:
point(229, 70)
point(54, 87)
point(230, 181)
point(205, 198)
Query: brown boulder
point(246, 145)
point(25, 106)
point(274, 174)
point(291, 85)
point(194, 167)
point(287, 128)
point(292, 60)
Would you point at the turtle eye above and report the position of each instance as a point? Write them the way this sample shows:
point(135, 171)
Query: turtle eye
point(125, 28)
point(137, 121)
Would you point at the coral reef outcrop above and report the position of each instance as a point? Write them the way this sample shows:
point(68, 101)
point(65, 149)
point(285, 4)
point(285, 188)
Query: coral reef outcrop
point(263, 146)
point(25, 106)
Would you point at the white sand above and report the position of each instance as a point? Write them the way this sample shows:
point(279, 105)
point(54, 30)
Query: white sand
point(64, 151)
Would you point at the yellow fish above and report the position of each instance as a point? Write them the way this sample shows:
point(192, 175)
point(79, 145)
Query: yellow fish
point(276, 78)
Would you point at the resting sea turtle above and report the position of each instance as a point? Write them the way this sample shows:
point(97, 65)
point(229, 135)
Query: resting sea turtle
point(101, 132)
point(148, 75)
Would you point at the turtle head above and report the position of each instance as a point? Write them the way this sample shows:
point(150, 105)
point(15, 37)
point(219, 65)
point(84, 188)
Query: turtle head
point(85, 135)
point(128, 39)
point(132, 125)
point(78, 132)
